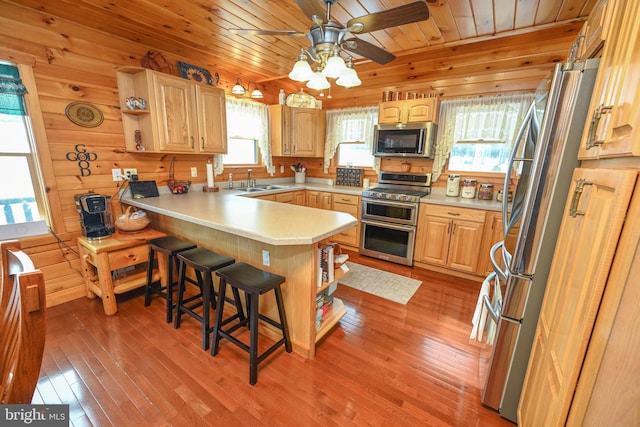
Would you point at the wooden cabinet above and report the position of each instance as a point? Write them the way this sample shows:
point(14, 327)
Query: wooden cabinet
point(594, 31)
point(450, 237)
point(410, 110)
point(181, 116)
point(291, 197)
point(350, 204)
point(319, 199)
point(588, 241)
point(336, 311)
point(614, 112)
point(296, 131)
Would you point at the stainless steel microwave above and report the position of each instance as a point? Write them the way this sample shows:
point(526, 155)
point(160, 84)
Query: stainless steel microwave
point(405, 140)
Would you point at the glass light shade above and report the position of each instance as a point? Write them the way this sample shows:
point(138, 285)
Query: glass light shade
point(318, 82)
point(238, 89)
point(256, 94)
point(335, 67)
point(301, 71)
point(349, 78)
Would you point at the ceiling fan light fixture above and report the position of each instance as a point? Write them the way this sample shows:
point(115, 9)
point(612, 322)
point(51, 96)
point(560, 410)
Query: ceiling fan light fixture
point(301, 71)
point(335, 66)
point(238, 89)
point(318, 82)
point(350, 77)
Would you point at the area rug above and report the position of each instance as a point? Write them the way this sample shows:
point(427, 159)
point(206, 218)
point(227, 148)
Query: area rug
point(387, 285)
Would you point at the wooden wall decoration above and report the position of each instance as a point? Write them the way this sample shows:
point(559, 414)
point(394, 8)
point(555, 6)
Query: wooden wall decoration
point(84, 114)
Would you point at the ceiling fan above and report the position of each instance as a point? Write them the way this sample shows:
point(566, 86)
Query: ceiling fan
point(328, 38)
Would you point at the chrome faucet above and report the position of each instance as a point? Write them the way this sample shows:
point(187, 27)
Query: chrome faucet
point(249, 182)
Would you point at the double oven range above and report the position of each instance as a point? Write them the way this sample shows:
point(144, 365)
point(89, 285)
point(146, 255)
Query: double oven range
point(390, 216)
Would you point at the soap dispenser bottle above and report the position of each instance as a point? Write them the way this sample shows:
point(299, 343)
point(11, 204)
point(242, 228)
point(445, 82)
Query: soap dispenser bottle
point(282, 97)
point(230, 181)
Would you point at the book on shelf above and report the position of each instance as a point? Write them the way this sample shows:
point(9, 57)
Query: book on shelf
point(326, 257)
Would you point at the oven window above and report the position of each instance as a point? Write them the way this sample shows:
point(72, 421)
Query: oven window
point(384, 211)
point(386, 240)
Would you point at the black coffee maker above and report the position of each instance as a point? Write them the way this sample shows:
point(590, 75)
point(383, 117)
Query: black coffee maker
point(95, 215)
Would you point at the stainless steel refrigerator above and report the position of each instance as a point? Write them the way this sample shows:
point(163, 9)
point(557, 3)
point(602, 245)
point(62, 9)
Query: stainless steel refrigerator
point(544, 157)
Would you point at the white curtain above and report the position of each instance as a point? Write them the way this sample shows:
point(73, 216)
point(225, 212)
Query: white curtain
point(495, 117)
point(349, 125)
point(249, 120)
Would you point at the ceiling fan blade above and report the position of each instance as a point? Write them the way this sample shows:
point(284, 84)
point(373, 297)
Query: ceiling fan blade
point(254, 32)
point(312, 7)
point(368, 50)
point(401, 15)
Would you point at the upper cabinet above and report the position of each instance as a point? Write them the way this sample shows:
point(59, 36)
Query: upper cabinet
point(614, 112)
point(594, 31)
point(296, 131)
point(180, 116)
point(410, 110)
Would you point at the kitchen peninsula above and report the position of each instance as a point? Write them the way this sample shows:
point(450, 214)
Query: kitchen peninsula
point(277, 237)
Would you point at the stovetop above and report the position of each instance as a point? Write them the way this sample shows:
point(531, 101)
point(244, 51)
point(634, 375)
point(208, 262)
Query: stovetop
point(404, 187)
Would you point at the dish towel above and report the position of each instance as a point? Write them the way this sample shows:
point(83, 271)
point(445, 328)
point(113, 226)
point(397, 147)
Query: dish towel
point(480, 314)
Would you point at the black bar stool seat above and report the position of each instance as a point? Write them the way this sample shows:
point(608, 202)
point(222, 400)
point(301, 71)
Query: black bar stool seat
point(204, 262)
point(254, 282)
point(169, 246)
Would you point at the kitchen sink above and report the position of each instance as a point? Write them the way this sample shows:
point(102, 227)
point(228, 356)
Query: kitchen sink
point(264, 188)
point(252, 189)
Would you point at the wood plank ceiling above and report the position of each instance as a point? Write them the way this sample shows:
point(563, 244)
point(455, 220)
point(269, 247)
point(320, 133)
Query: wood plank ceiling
point(466, 46)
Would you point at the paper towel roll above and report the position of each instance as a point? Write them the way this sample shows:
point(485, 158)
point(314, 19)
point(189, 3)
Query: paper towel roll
point(210, 181)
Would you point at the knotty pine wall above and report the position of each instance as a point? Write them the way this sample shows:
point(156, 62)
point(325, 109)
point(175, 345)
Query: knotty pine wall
point(72, 63)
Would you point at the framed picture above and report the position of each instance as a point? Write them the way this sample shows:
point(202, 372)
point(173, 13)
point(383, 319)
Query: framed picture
point(197, 74)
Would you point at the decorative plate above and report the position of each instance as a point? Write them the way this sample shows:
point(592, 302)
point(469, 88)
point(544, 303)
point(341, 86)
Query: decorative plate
point(197, 74)
point(301, 100)
point(84, 114)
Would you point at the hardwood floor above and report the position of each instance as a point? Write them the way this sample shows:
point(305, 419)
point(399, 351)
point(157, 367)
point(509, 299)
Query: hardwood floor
point(385, 364)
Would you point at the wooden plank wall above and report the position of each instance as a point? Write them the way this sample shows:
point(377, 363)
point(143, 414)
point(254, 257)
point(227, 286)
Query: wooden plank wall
point(77, 63)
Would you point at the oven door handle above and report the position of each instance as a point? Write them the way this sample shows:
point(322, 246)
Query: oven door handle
point(410, 205)
point(389, 225)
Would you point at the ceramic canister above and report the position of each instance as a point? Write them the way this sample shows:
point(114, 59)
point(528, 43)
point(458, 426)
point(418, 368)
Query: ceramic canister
point(469, 189)
point(453, 186)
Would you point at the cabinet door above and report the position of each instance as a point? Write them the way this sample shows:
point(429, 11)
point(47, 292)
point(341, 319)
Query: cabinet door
point(591, 226)
point(464, 247)
point(421, 110)
point(212, 120)
point(432, 244)
point(313, 199)
point(614, 112)
point(175, 113)
point(351, 205)
point(390, 112)
point(285, 197)
point(300, 198)
point(307, 132)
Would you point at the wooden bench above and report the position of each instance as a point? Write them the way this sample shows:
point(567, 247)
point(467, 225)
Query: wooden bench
point(22, 324)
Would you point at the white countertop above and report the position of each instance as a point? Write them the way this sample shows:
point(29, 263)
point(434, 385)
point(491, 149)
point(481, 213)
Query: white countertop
point(261, 220)
point(237, 212)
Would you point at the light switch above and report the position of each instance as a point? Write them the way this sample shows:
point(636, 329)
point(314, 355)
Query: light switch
point(194, 172)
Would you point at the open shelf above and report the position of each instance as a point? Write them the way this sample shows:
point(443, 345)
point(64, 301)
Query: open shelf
point(331, 318)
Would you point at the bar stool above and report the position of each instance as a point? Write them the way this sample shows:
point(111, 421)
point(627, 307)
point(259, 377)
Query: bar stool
point(254, 282)
point(204, 262)
point(168, 246)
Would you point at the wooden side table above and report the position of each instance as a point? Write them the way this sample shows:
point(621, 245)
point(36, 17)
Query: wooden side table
point(105, 265)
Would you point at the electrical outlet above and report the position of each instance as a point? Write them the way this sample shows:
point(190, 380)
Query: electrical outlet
point(116, 174)
point(130, 172)
point(194, 172)
point(266, 259)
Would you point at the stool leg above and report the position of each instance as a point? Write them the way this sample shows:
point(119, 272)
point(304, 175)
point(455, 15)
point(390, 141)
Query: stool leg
point(283, 319)
point(238, 303)
point(253, 343)
point(206, 309)
point(218, 320)
point(147, 294)
point(181, 286)
point(170, 261)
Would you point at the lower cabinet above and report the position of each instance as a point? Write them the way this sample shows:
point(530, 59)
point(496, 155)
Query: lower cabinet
point(450, 237)
point(291, 197)
point(350, 204)
point(493, 234)
point(319, 199)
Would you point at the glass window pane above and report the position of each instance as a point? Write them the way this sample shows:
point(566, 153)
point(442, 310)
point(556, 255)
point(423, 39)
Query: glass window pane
point(241, 152)
point(355, 155)
point(14, 138)
point(479, 157)
point(17, 201)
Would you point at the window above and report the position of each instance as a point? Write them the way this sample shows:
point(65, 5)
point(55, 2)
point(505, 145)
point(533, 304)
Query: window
point(476, 134)
point(248, 134)
point(241, 151)
point(350, 135)
point(22, 208)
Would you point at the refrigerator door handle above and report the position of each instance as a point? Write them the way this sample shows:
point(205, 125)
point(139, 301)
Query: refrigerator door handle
point(499, 271)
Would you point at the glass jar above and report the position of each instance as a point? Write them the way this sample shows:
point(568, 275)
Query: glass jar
point(469, 189)
point(485, 192)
